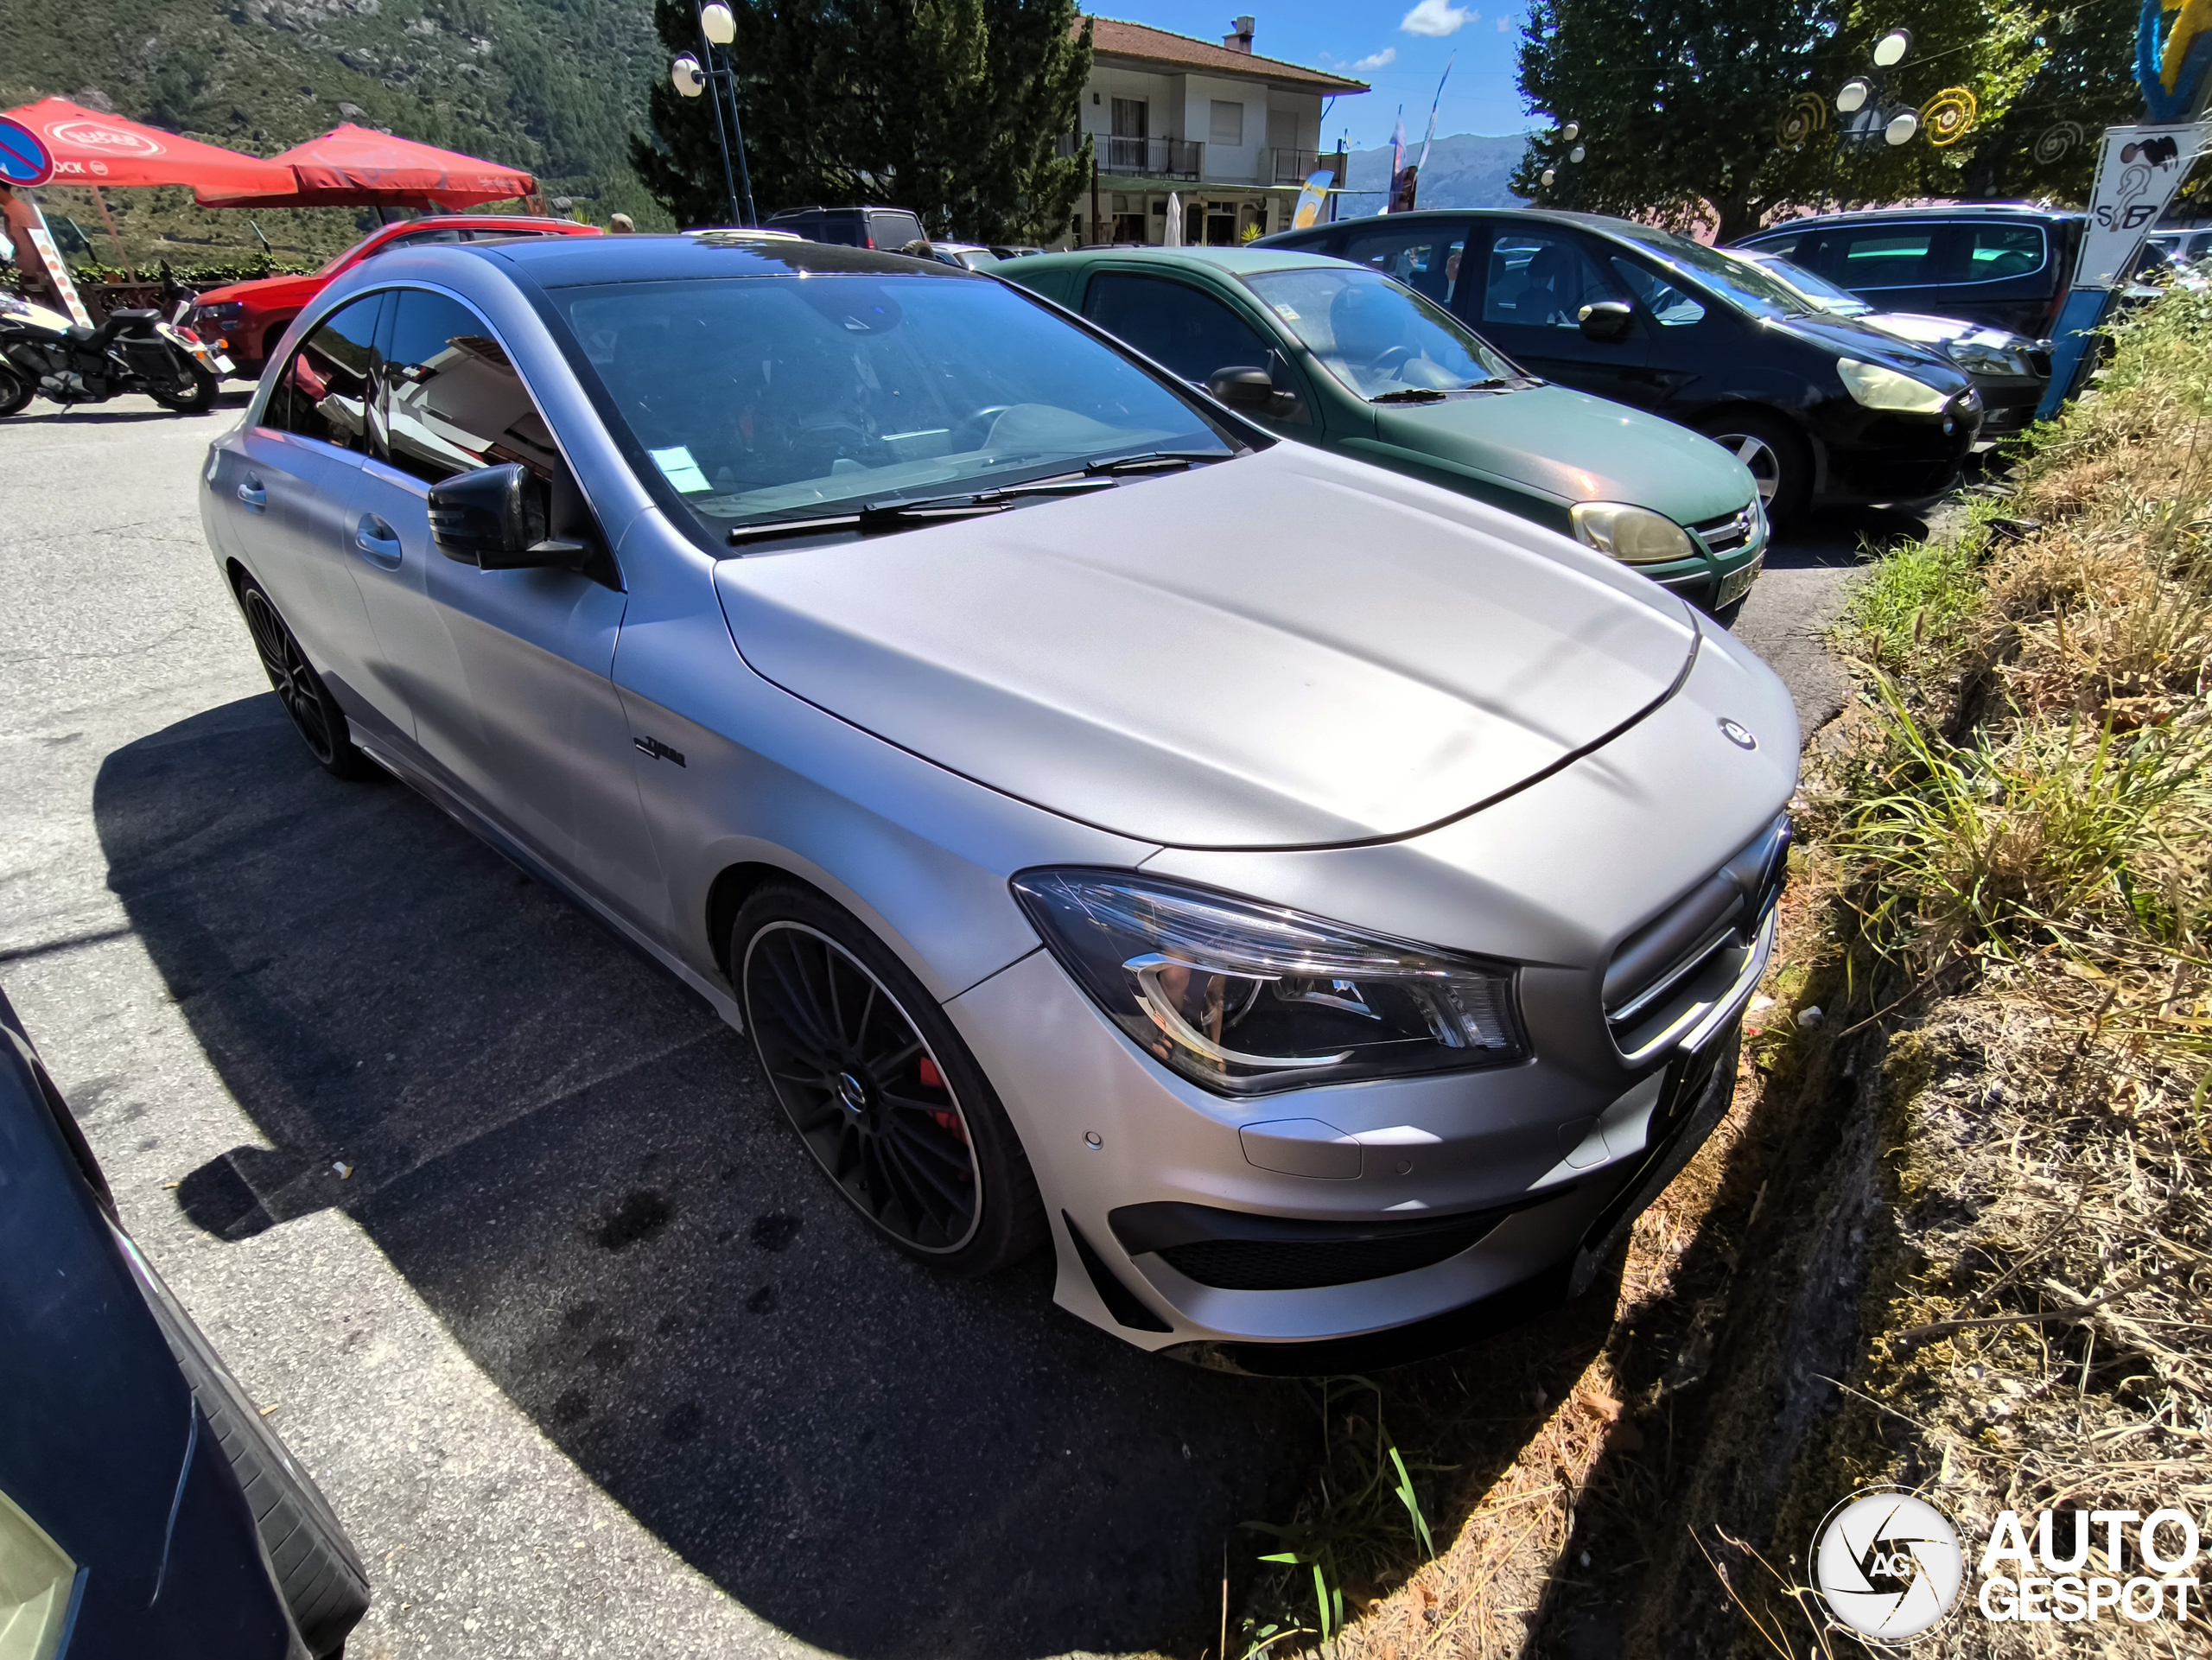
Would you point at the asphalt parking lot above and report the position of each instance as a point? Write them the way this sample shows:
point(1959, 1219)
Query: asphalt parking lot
point(587, 1356)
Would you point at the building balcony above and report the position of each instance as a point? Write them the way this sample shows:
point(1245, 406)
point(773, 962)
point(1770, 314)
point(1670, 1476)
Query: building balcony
point(1290, 166)
point(1154, 158)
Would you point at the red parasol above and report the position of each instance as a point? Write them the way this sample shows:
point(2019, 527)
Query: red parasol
point(352, 167)
point(92, 149)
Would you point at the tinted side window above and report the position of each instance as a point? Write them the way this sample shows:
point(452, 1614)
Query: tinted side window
point(1671, 307)
point(453, 402)
point(324, 390)
point(842, 228)
point(1426, 260)
point(1542, 278)
point(1879, 256)
point(1172, 323)
point(893, 231)
point(1990, 254)
point(1785, 245)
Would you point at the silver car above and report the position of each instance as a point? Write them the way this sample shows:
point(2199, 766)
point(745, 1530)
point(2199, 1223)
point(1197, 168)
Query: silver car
point(1315, 901)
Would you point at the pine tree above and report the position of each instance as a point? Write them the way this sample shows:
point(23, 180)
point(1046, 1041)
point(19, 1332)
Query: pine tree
point(953, 108)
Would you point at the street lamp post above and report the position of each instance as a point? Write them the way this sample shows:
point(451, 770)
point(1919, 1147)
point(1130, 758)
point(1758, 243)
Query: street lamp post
point(1859, 100)
point(717, 28)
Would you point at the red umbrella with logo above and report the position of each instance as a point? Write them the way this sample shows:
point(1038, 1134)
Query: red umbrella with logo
point(92, 149)
point(354, 167)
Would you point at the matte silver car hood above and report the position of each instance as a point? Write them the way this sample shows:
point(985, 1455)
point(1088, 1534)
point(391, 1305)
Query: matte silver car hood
point(1289, 649)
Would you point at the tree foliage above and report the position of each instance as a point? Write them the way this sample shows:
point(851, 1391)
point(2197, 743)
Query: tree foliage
point(1722, 111)
point(954, 108)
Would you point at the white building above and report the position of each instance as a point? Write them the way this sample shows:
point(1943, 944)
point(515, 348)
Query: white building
point(1231, 133)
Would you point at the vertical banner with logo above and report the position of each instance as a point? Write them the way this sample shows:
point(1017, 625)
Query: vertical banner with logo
point(1312, 199)
point(2138, 171)
point(56, 271)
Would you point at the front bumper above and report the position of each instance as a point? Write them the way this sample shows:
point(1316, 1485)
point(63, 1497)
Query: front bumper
point(1874, 455)
point(1178, 1214)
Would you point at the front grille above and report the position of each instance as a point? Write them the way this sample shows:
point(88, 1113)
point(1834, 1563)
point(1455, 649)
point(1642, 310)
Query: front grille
point(1726, 534)
point(1660, 974)
point(1299, 1265)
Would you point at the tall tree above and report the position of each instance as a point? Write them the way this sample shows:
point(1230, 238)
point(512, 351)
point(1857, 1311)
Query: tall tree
point(954, 108)
point(1723, 110)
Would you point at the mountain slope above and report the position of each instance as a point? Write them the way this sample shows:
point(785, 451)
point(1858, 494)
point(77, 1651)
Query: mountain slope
point(1465, 170)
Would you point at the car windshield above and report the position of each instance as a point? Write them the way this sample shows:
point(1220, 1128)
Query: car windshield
point(1817, 291)
point(768, 396)
point(1733, 279)
point(1375, 335)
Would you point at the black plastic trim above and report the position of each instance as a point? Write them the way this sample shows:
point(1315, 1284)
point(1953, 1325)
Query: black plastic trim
point(1121, 1302)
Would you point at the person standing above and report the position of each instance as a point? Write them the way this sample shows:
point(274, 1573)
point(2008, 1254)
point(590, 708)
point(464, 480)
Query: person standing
point(19, 218)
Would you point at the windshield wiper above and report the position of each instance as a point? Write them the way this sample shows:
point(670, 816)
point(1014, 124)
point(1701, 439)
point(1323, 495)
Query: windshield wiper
point(1431, 394)
point(1154, 460)
point(885, 515)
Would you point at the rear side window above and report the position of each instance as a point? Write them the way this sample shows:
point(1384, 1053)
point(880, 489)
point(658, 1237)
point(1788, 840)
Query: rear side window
point(844, 229)
point(324, 390)
point(1543, 278)
point(1426, 259)
point(1192, 333)
point(1878, 257)
point(451, 400)
point(893, 231)
point(1991, 253)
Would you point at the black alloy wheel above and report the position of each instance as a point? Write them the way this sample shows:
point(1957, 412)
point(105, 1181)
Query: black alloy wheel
point(1773, 452)
point(879, 1087)
point(15, 390)
point(315, 712)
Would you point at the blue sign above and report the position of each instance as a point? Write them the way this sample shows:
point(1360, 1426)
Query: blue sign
point(23, 156)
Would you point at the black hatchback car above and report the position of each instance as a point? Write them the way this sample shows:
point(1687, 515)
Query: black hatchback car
point(886, 228)
point(146, 1508)
point(1821, 409)
point(2006, 264)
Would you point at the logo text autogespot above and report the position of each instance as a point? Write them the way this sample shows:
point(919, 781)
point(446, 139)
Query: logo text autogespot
point(2044, 1586)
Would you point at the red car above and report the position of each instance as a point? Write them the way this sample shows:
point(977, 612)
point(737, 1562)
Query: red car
point(250, 318)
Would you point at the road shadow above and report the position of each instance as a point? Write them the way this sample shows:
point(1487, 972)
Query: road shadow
point(1841, 537)
point(572, 1161)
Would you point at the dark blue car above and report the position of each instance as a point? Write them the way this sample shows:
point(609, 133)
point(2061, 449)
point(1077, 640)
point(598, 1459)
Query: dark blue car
point(146, 1509)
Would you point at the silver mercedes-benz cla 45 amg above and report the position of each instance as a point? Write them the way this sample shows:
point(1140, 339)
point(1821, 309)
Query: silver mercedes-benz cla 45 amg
point(1315, 901)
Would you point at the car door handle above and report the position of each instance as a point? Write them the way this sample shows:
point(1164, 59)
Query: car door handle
point(255, 497)
point(378, 541)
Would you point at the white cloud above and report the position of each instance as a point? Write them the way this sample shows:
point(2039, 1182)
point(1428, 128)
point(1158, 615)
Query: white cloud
point(1505, 26)
point(1438, 18)
point(1374, 61)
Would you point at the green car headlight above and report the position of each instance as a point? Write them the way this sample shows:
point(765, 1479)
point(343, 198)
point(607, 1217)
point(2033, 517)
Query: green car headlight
point(38, 1583)
point(1886, 389)
point(1635, 535)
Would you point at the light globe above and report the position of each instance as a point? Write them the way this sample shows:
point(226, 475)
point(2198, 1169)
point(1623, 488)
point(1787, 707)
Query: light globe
point(718, 23)
point(685, 75)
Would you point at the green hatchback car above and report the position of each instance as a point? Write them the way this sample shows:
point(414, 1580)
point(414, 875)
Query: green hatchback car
point(1328, 353)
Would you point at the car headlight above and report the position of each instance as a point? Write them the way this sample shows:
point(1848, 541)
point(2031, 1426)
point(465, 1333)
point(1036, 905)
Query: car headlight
point(1981, 357)
point(37, 1580)
point(222, 313)
point(1635, 535)
point(1244, 998)
point(1886, 389)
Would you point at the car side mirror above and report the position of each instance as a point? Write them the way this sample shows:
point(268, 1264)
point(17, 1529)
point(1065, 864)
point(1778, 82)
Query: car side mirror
point(1607, 322)
point(495, 518)
point(1252, 390)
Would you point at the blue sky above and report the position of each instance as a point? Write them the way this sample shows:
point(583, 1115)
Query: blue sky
point(1398, 47)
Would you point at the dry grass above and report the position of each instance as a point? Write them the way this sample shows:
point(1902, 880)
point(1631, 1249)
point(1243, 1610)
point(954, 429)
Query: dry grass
point(2022, 828)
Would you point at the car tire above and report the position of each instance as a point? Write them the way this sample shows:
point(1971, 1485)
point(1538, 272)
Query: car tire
point(316, 715)
point(1780, 460)
point(311, 1562)
point(878, 1085)
point(192, 394)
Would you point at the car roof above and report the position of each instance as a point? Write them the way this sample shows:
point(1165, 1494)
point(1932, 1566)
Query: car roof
point(560, 262)
point(1233, 262)
point(479, 221)
point(1908, 215)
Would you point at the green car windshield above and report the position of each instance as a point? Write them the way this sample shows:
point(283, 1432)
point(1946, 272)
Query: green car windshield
point(1375, 335)
point(761, 398)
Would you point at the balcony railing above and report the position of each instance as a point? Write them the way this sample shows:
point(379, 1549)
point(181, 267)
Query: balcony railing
point(1153, 158)
point(1294, 166)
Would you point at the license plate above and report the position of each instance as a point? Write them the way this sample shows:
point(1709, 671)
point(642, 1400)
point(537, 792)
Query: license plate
point(223, 365)
point(1734, 589)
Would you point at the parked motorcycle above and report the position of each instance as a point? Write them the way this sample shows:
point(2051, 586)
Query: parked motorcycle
point(44, 352)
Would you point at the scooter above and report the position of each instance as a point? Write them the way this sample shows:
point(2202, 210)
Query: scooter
point(43, 350)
